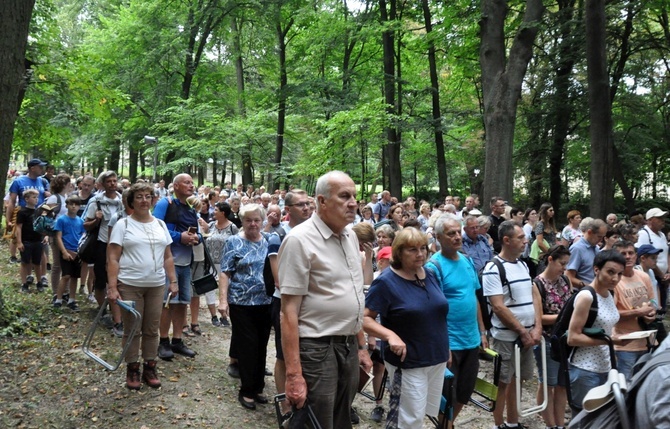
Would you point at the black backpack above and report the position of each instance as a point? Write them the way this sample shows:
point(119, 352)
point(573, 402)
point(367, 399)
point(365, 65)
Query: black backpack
point(559, 347)
point(483, 302)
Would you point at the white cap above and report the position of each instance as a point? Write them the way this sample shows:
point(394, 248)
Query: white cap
point(475, 212)
point(655, 212)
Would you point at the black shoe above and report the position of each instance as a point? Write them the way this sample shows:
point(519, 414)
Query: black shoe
point(66, 297)
point(224, 322)
point(182, 349)
point(377, 414)
point(73, 306)
point(165, 351)
point(249, 405)
point(233, 370)
point(58, 304)
point(260, 398)
point(268, 373)
point(25, 288)
point(13, 260)
point(215, 321)
point(40, 287)
point(48, 266)
point(354, 416)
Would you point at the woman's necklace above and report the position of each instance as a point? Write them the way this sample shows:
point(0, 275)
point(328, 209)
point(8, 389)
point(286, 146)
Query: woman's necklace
point(152, 242)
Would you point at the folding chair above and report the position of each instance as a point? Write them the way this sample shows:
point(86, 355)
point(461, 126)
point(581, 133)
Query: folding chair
point(304, 415)
point(363, 391)
point(128, 306)
point(488, 390)
point(446, 403)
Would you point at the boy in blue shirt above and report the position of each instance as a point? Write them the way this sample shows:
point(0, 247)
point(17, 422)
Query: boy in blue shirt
point(69, 230)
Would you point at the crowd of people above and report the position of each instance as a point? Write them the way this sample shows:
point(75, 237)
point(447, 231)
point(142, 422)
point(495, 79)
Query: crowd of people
point(384, 284)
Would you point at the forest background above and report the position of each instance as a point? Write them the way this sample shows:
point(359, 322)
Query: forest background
point(566, 101)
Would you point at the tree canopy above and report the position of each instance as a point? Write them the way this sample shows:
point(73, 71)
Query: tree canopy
point(416, 97)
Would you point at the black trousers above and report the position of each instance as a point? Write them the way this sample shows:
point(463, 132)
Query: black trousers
point(251, 332)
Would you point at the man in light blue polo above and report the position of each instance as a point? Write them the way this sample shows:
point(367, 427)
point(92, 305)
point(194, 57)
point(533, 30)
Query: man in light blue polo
point(475, 245)
point(583, 252)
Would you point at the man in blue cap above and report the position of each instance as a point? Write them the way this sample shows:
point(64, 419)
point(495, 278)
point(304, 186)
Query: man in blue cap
point(31, 180)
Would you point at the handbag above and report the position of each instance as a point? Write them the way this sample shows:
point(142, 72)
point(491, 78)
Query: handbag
point(87, 247)
point(208, 282)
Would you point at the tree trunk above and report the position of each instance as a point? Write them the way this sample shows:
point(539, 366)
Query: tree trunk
point(501, 87)
point(281, 108)
point(247, 166)
point(600, 112)
point(15, 22)
point(437, 113)
point(392, 148)
point(115, 156)
point(132, 163)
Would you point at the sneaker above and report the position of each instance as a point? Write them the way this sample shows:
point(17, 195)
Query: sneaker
point(13, 260)
point(40, 287)
point(117, 330)
point(224, 322)
point(181, 348)
point(58, 304)
point(354, 416)
point(377, 414)
point(165, 351)
point(233, 370)
point(44, 280)
point(91, 299)
point(215, 321)
point(268, 373)
point(74, 307)
point(518, 426)
point(30, 280)
point(66, 297)
point(25, 288)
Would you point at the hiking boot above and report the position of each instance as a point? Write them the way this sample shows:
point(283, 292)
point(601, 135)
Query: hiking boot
point(377, 414)
point(133, 381)
point(25, 288)
point(149, 374)
point(40, 287)
point(181, 348)
point(165, 351)
point(117, 330)
point(215, 321)
point(73, 306)
point(30, 279)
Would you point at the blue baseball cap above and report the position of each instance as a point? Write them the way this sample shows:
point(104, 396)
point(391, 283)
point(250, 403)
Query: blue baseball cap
point(648, 249)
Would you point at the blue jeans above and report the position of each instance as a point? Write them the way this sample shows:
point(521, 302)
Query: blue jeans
point(581, 381)
point(626, 360)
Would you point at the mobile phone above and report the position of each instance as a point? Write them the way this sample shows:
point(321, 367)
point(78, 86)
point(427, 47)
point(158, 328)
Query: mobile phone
point(192, 229)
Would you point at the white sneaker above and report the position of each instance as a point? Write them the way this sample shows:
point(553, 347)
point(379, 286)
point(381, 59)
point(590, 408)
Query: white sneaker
point(91, 299)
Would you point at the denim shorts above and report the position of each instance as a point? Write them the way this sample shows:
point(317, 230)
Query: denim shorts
point(184, 281)
point(553, 367)
point(581, 381)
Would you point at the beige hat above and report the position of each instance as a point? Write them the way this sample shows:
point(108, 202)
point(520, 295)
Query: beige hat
point(655, 212)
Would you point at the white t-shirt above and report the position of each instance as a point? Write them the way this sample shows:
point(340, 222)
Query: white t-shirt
point(53, 201)
point(142, 258)
point(647, 236)
point(109, 207)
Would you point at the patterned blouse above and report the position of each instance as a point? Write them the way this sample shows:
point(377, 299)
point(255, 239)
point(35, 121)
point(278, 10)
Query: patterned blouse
point(245, 260)
point(217, 240)
point(556, 295)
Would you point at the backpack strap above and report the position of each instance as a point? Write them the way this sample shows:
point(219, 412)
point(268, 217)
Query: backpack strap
point(503, 275)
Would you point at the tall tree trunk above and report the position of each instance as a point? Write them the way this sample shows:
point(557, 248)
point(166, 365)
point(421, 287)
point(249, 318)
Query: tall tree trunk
point(281, 108)
point(392, 148)
point(501, 87)
point(247, 165)
point(215, 180)
point(600, 112)
point(563, 106)
point(437, 113)
point(15, 22)
point(114, 156)
point(132, 163)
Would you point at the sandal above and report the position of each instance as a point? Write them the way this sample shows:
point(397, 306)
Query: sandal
point(187, 331)
point(195, 329)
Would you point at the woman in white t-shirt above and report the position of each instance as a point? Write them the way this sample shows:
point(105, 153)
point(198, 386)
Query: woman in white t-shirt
point(138, 259)
point(591, 361)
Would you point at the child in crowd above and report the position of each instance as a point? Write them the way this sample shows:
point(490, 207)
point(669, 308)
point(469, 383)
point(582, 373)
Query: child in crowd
point(69, 230)
point(29, 242)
